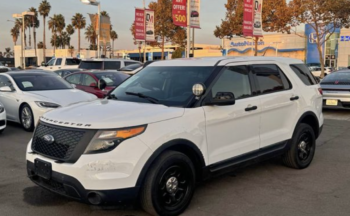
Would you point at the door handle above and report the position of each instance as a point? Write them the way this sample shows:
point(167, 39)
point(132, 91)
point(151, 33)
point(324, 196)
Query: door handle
point(294, 98)
point(251, 108)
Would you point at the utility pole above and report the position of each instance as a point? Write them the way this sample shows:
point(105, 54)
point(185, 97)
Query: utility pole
point(193, 42)
point(99, 31)
point(144, 45)
point(188, 28)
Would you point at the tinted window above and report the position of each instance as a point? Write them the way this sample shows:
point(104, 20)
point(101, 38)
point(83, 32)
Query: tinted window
point(58, 61)
point(131, 63)
point(234, 80)
point(112, 65)
point(91, 65)
point(51, 62)
point(87, 80)
point(112, 78)
point(270, 79)
point(339, 78)
point(74, 79)
point(40, 82)
point(131, 67)
point(4, 81)
point(172, 86)
point(304, 74)
point(72, 61)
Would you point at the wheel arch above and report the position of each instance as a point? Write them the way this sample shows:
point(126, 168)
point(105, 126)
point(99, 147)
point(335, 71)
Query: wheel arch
point(180, 145)
point(311, 119)
point(20, 109)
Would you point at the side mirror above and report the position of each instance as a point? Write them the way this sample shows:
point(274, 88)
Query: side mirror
point(222, 99)
point(6, 89)
point(101, 84)
point(93, 85)
point(74, 86)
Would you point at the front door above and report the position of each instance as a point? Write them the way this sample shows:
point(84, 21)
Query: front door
point(233, 130)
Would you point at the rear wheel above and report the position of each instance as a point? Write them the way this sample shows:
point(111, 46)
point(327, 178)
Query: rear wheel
point(303, 146)
point(27, 119)
point(169, 185)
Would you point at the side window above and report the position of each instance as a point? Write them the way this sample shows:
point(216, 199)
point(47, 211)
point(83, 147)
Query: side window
point(74, 79)
point(235, 80)
point(58, 61)
point(304, 74)
point(87, 80)
point(112, 65)
point(51, 62)
point(130, 63)
point(270, 79)
point(4, 81)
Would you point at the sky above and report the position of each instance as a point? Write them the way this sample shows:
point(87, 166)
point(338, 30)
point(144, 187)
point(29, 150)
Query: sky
point(120, 11)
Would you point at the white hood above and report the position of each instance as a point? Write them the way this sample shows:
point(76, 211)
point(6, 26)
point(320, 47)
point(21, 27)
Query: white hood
point(62, 97)
point(109, 114)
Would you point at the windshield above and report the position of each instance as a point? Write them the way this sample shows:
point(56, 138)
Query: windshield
point(72, 61)
point(171, 86)
point(131, 67)
point(40, 82)
point(91, 65)
point(337, 78)
point(112, 78)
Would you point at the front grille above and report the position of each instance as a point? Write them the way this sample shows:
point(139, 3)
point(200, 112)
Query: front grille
point(65, 141)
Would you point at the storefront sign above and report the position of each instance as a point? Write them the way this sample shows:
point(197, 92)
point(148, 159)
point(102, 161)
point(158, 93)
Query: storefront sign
point(140, 34)
point(150, 36)
point(257, 26)
point(248, 18)
point(195, 13)
point(180, 13)
point(246, 43)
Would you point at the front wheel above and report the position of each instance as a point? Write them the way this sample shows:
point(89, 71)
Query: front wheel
point(169, 185)
point(27, 119)
point(303, 146)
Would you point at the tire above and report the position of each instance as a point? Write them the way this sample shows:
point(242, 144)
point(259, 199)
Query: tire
point(303, 146)
point(26, 117)
point(175, 170)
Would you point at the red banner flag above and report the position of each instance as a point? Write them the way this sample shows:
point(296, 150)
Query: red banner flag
point(180, 12)
point(140, 34)
point(248, 18)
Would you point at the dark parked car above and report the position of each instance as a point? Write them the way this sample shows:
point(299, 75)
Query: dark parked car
point(98, 83)
point(194, 14)
point(66, 72)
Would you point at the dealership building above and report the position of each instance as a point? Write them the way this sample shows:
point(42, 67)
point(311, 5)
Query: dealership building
point(300, 45)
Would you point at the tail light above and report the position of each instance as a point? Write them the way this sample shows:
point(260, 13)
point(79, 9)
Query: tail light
point(320, 90)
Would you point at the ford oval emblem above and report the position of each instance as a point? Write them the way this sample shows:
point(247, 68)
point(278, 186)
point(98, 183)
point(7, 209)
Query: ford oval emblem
point(49, 139)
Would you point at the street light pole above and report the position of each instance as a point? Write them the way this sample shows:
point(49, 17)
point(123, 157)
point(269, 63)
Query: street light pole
point(188, 28)
point(144, 45)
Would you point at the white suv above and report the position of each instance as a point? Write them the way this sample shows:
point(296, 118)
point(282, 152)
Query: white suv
point(176, 123)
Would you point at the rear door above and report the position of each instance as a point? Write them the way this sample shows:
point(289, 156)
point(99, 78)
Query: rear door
point(76, 80)
point(279, 103)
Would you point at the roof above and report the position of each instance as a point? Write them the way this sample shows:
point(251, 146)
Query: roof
point(120, 59)
point(30, 72)
point(221, 61)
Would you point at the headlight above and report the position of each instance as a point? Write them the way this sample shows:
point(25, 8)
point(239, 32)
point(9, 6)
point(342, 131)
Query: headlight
point(47, 104)
point(107, 140)
point(2, 109)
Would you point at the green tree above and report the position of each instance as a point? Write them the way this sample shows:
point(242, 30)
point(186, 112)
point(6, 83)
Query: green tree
point(114, 36)
point(44, 10)
point(91, 37)
point(65, 40)
point(275, 18)
point(15, 34)
point(71, 50)
point(56, 24)
point(164, 27)
point(79, 22)
point(70, 31)
point(35, 23)
point(324, 16)
point(178, 53)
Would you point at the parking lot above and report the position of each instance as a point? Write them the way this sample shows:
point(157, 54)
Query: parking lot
point(263, 189)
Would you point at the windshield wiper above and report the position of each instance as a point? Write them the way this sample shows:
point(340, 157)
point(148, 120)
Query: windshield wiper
point(140, 95)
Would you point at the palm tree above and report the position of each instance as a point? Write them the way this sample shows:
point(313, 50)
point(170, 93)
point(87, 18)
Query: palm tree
point(40, 45)
point(65, 40)
point(79, 22)
point(19, 25)
point(104, 13)
point(91, 36)
point(34, 24)
point(71, 50)
point(114, 36)
point(44, 10)
point(15, 34)
point(70, 31)
point(56, 25)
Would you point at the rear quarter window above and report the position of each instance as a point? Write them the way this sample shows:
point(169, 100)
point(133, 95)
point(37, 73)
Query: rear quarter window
point(304, 74)
point(112, 65)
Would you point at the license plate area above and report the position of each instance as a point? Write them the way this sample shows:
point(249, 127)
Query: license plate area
point(332, 102)
point(43, 169)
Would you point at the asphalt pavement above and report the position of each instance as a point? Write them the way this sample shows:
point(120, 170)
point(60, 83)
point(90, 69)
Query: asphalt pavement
point(263, 189)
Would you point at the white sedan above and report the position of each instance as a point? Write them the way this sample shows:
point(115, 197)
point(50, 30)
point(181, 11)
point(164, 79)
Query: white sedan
point(27, 95)
point(2, 118)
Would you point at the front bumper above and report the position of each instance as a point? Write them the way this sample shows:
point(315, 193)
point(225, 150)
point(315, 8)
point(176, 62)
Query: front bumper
point(70, 187)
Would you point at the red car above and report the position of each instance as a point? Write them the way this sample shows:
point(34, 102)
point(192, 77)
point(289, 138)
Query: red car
point(99, 83)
